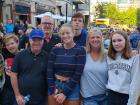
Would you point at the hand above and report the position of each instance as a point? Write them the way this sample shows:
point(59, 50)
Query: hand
point(58, 45)
point(20, 100)
point(60, 98)
point(134, 52)
point(8, 71)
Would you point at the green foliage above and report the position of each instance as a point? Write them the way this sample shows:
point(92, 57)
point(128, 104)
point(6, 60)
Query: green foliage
point(131, 16)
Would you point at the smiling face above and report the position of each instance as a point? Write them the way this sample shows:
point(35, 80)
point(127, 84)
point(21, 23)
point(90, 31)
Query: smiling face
point(118, 42)
point(12, 46)
point(95, 40)
point(66, 34)
point(36, 44)
point(47, 24)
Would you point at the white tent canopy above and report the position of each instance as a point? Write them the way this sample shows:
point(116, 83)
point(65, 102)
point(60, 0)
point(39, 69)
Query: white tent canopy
point(57, 17)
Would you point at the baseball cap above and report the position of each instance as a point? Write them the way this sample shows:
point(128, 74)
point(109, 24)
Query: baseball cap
point(36, 33)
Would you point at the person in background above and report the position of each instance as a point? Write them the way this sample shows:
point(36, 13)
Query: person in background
point(9, 26)
point(16, 28)
point(123, 71)
point(22, 26)
point(134, 39)
point(23, 39)
point(29, 72)
point(29, 29)
point(50, 40)
point(95, 74)
point(11, 43)
point(80, 33)
point(65, 67)
point(2, 29)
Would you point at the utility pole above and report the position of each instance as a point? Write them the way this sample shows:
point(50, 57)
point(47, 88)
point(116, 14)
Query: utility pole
point(66, 11)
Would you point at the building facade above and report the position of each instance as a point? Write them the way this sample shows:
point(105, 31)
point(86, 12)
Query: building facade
point(26, 9)
point(83, 6)
point(125, 4)
point(69, 7)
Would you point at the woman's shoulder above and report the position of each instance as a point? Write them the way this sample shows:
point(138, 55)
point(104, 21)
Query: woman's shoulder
point(57, 49)
point(136, 57)
point(79, 47)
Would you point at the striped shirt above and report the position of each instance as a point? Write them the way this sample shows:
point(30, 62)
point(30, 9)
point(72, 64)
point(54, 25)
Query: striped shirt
point(67, 63)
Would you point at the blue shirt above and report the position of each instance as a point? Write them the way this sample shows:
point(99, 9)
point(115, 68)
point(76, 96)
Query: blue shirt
point(81, 39)
point(134, 39)
point(9, 28)
point(67, 63)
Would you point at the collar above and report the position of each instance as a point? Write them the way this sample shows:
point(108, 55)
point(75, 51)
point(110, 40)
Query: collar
point(29, 50)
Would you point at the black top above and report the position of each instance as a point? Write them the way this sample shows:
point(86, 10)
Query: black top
point(23, 40)
point(7, 55)
point(32, 74)
point(53, 41)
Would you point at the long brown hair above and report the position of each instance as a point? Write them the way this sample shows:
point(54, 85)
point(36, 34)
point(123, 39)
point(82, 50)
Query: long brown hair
point(127, 52)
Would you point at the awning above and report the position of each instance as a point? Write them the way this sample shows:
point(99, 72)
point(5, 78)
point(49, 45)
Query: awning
point(56, 17)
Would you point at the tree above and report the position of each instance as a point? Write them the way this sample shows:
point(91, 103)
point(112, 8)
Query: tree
point(109, 10)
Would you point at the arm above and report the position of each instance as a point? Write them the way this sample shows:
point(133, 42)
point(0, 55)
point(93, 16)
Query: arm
point(134, 91)
point(50, 73)
point(14, 81)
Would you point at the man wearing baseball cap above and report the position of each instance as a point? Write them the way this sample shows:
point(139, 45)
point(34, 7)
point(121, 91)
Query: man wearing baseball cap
point(29, 70)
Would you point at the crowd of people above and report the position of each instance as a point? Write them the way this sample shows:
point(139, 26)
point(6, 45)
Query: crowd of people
point(75, 67)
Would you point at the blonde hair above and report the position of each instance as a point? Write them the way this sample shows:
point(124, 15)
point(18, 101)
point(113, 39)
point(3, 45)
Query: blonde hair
point(88, 46)
point(9, 37)
point(67, 25)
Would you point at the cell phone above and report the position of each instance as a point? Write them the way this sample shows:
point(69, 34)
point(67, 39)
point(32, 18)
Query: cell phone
point(56, 91)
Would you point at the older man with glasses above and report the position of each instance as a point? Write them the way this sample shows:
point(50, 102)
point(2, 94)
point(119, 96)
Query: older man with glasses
point(50, 40)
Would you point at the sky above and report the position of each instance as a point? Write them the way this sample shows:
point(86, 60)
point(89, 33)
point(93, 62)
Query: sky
point(94, 1)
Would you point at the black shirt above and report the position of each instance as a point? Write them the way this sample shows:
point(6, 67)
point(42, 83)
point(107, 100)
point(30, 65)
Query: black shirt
point(32, 74)
point(23, 40)
point(7, 55)
point(55, 39)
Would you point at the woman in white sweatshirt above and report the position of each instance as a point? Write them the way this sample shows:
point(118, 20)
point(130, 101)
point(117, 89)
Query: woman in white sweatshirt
point(123, 71)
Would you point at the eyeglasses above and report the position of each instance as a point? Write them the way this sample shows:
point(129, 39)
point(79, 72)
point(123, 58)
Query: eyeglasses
point(47, 23)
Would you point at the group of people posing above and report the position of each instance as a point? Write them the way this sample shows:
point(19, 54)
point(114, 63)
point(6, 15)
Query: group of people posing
point(73, 68)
